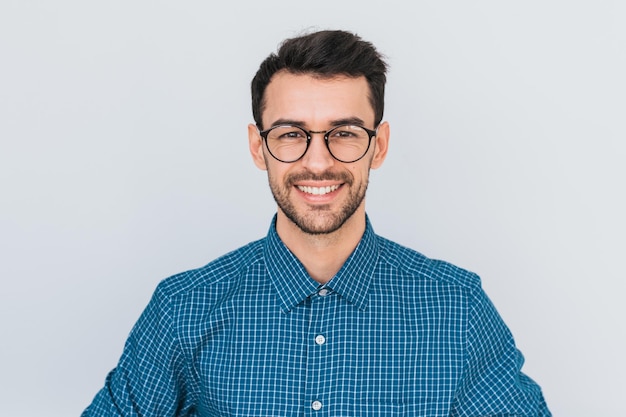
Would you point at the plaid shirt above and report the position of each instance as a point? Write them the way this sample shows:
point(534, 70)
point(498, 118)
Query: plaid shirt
point(251, 334)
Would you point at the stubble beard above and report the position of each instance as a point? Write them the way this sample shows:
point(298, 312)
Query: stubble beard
point(318, 219)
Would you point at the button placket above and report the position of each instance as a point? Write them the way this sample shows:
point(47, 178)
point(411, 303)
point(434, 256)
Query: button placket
point(317, 359)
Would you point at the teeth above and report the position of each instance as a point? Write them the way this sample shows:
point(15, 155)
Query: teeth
point(318, 190)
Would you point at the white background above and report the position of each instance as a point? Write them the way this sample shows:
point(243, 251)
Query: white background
point(124, 160)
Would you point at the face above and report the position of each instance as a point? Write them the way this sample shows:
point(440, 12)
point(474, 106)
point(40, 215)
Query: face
point(318, 193)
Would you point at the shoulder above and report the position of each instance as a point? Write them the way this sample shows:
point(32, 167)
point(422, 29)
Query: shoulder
point(420, 267)
point(222, 272)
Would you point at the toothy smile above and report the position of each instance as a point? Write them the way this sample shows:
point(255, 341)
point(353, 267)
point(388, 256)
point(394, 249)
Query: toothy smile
point(318, 190)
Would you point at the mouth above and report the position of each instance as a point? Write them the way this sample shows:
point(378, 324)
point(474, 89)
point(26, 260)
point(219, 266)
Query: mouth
point(318, 190)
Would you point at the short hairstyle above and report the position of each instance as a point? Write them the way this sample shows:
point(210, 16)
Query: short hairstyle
point(324, 54)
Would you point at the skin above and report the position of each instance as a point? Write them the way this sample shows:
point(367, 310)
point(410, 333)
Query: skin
point(321, 230)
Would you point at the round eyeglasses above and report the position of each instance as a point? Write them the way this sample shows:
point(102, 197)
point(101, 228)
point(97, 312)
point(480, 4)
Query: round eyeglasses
point(346, 143)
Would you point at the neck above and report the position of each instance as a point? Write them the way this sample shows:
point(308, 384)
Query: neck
point(322, 255)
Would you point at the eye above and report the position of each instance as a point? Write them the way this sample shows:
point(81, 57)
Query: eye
point(287, 134)
point(292, 134)
point(348, 132)
point(343, 134)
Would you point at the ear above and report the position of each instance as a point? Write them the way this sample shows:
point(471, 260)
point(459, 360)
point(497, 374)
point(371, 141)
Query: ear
point(381, 145)
point(255, 142)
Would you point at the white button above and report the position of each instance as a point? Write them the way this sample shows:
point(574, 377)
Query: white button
point(316, 405)
point(320, 339)
point(323, 292)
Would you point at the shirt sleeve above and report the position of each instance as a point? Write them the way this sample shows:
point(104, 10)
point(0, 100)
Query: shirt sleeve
point(150, 378)
point(493, 384)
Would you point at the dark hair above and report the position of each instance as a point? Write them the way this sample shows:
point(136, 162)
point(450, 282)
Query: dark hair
point(325, 54)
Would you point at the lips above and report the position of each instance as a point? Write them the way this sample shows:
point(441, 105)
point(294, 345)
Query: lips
point(307, 179)
point(318, 190)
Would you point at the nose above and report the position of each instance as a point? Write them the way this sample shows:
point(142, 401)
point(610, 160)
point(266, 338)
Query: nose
point(317, 157)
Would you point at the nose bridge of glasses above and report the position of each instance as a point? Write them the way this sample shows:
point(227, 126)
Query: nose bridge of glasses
point(312, 144)
point(317, 155)
point(324, 133)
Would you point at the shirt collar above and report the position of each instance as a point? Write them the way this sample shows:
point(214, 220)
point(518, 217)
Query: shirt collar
point(293, 284)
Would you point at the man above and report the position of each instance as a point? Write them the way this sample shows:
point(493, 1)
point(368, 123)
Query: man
point(322, 316)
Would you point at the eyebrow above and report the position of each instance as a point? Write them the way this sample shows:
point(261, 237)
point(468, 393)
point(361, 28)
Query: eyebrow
point(337, 122)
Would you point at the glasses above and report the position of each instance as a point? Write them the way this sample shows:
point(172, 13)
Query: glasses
point(346, 143)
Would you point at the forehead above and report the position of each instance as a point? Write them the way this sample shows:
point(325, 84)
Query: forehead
point(316, 101)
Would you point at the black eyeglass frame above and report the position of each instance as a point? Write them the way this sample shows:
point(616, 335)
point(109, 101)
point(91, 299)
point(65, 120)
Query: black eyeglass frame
point(371, 133)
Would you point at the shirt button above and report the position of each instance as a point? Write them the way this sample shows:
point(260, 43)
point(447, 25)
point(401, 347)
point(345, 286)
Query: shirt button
point(320, 339)
point(316, 405)
point(323, 292)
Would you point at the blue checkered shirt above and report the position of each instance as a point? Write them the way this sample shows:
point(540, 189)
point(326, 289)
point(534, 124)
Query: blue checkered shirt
point(251, 334)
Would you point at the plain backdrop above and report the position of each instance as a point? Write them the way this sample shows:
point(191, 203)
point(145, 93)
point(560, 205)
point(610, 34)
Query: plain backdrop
point(124, 160)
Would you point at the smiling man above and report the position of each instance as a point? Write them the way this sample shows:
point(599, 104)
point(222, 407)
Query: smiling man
point(322, 140)
point(322, 316)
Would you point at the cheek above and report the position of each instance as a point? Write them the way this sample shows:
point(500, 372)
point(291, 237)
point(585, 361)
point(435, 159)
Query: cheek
point(274, 172)
point(361, 171)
